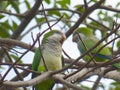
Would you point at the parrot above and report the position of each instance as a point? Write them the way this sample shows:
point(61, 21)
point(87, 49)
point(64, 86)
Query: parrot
point(49, 54)
point(89, 40)
point(85, 40)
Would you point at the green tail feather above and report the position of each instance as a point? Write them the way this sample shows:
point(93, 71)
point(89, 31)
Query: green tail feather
point(45, 85)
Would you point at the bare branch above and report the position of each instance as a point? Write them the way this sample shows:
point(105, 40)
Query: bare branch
point(110, 9)
point(85, 14)
point(12, 42)
point(115, 75)
point(60, 79)
point(14, 14)
point(31, 82)
point(27, 18)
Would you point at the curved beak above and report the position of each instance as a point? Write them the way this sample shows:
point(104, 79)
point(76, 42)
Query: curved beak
point(63, 39)
point(73, 39)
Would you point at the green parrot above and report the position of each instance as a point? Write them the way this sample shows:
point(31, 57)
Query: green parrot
point(50, 52)
point(90, 40)
point(85, 35)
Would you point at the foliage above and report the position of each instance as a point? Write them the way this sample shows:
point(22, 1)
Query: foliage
point(102, 19)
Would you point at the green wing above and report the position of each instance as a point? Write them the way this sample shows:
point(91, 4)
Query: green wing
point(104, 51)
point(47, 84)
point(103, 55)
point(36, 62)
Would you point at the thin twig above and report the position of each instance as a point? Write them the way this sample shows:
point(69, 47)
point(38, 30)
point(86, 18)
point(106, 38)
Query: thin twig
point(46, 17)
point(12, 42)
point(18, 64)
point(16, 71)
point(14, 14)
point(97, 82)
point(85, 3)
point(90, 54)
point(83, 16)
point(89, 51)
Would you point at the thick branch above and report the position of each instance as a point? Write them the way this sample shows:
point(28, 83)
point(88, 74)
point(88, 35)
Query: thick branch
point(101, 64)
point(42, 77)
point(85, 14)
point(27, 18)
point(14, 14)
point(31, 82)
point(11, 42)
point(110, 9)
point(61, 80)
point(115, 75)
point(111, 75)
point(25, 21)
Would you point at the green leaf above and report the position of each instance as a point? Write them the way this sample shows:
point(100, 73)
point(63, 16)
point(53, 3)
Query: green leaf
point(3, 32)
point(5, 28)
point(117, 15)
point(66, 15)
point(15, 57)
point(57, 13)
point(27, 4)
point(47, 1)
point(63, 3)
point(94, 25)
point(118, 44)
point(95, 1)
point(80, 7)
point(114, 83)
point(118, 4)
point(15, 5)
point(85, 87)
point(39, 20)
point(2, 5)
point(68, 2)
point(1, 16)
point(100, 12)
point(115, 86)
point(14, 25)
point(6, 25)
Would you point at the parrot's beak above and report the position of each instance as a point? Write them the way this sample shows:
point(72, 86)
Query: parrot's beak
point(63, 39)
point(73, 39)
point(76, 37)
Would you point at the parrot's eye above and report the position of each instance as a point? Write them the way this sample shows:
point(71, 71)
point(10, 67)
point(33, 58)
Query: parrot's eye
point(77, 36)
point(82, 35)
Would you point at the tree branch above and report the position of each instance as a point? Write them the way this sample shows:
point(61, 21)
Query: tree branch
point(111, 75)
point(101, 64)
point(110, 9)
point(31, 82)
point(85, 14)
point(11, 42)
point(26, 19)
point(115, 75)
point(61, 80)
point(40, 78)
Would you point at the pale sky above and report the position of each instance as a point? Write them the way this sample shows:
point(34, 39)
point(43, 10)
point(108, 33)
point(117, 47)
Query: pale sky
point(68, 45)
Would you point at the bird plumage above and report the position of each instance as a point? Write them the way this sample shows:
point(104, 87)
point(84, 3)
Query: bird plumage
point(49, 56)
point(89, 41)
